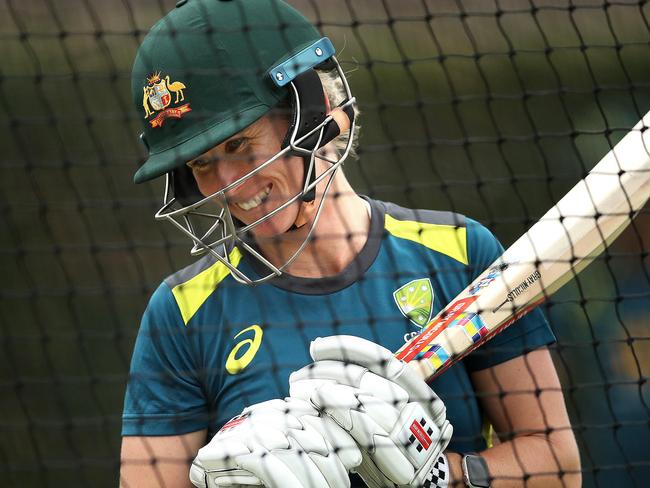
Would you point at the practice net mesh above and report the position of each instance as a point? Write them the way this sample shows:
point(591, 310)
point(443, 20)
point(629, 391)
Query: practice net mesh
point(489, 108)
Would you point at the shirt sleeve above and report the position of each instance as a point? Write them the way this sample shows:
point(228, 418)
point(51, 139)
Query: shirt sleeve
point(163, 394)
point(526, 334)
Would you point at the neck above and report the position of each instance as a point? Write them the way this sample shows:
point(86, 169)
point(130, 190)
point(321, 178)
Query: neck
point(338, 236)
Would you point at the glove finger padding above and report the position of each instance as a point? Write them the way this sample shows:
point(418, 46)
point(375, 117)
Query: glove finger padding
point(396, 419)
point(359, 357)
point(400, 442)
point(280, 443)
point(293, 468)
point(306, 380)
point(353, 350)
point(343, 445)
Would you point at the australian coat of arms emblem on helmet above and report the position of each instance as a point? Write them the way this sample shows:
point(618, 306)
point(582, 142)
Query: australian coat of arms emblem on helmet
point(157, 98)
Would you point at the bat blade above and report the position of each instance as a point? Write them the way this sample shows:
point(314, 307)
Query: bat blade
point(564, 241)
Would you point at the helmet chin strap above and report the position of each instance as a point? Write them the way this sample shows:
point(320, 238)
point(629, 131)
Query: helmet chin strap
point(305, 214)
point(341, 122)
point(314, 107)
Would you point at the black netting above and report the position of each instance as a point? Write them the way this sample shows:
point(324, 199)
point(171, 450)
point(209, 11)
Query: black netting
point(492, 109)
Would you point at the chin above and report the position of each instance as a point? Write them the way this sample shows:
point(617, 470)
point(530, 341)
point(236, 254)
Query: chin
point(274, 227)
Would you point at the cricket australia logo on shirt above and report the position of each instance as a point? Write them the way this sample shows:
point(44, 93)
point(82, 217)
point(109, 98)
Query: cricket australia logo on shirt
point(415, 301)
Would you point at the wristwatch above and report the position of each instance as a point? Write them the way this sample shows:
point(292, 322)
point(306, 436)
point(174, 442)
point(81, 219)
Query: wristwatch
point(475, 471)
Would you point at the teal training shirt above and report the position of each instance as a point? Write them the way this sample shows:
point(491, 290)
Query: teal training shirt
point(209, 346)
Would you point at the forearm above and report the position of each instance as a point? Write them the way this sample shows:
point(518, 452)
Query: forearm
point(158, 461)
point(531, 461)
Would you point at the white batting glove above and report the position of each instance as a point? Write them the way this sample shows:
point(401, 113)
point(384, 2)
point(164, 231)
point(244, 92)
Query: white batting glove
point(396, 419)
point(277, 444)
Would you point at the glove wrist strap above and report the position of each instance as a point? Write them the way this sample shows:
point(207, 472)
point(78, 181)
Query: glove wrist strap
point(438, 476)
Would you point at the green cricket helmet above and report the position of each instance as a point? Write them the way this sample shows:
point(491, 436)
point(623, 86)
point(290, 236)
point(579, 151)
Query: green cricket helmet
point(206, 71)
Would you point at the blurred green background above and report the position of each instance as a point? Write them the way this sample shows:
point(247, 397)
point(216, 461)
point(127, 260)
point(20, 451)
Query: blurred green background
point(491, 108)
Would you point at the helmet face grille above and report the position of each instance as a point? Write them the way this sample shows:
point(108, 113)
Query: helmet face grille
point(207, 220)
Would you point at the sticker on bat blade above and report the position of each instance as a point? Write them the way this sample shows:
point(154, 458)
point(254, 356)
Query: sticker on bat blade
point(472, 325)
point(523, 286)
point(435, 354)
point(431, 331)
point(493, 273)
point(520, 288)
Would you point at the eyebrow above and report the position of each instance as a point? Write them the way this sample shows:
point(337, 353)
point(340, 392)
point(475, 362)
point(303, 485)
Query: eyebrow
point(247, 133)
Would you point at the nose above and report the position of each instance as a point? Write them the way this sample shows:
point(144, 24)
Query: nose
point(227, 171)
point(219, 175)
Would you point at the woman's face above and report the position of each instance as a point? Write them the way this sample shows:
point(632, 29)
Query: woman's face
point(265, 191)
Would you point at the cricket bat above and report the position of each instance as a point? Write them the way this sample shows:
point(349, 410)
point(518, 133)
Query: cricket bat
point(553, 251)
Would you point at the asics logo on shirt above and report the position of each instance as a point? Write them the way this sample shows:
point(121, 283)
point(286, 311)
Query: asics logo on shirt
point(237, 360)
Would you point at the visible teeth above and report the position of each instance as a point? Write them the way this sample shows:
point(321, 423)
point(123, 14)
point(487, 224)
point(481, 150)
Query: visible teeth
point(256, 200)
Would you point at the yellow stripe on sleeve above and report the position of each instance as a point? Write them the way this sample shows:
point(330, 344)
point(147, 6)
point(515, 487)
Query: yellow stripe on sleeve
point(194, 292)
point(446, 239)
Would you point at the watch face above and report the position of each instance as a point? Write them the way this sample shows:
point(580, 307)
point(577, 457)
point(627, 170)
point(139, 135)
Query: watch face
point(476, 472)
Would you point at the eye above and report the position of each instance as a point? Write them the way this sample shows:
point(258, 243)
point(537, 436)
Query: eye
point(235, 145)
point(198, 164)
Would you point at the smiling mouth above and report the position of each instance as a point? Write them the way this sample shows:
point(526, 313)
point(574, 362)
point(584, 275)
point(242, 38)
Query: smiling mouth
point(256, 201)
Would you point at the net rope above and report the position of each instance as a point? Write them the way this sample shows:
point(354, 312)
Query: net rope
point(490, 109)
